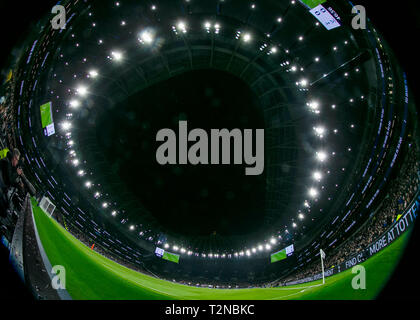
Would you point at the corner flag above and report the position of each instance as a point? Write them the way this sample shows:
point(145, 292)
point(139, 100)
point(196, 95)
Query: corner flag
point(322, 253)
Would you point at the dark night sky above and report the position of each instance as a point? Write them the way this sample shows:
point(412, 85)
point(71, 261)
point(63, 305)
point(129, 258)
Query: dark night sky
point(193, 200)
point(17, 18)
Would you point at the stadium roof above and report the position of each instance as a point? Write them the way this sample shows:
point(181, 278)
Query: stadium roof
point(331, 103)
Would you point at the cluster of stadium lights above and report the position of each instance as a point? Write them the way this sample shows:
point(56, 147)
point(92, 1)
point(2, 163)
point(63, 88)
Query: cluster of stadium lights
point(248, 252)
point(147, 37)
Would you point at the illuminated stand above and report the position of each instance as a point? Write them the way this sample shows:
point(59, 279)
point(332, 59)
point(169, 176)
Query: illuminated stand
point(47, 206)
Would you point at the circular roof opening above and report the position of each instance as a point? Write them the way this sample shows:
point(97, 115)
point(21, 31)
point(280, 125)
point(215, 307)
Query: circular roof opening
point(186, 199)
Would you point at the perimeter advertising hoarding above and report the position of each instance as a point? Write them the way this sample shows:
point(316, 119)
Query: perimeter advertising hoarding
point(282, 254)
point(278, 256)
point(323, 12)
point(326, 16)
point(170, 257)
point(399, 227)
point(46, 115)
point(159, 252)
point(47, 119)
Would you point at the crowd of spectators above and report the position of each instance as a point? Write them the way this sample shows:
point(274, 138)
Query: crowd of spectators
point(16, 190)
point(401, 192)
point(7, 116)
point(82, 237)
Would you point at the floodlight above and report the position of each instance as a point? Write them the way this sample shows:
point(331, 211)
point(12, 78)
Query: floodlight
point(182, 26)
point(314, 105)
point(313, 192)
point(247, 37)
point(74, 104)
point(303, 82)
point(93, 73)
point(82, 91)
point(321, 156)
point(117, 55)
point(147, 37)
point(320, 131)
point(317, 176)
point(66, 125)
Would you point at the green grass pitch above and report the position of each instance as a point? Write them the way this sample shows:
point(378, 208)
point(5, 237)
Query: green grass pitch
point(90, 276)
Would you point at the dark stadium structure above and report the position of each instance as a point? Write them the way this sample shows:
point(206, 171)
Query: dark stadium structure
point(339, 118)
